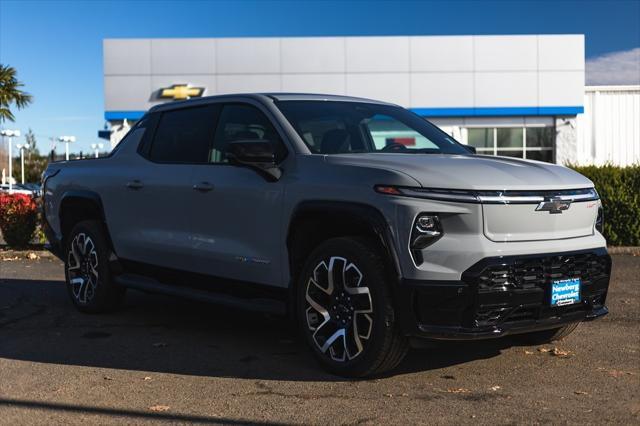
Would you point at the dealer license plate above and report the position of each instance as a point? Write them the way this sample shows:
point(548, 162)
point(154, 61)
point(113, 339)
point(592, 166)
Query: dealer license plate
point(565, 292)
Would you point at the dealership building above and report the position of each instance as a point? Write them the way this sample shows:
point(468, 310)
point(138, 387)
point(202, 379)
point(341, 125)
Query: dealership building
point(520, 96)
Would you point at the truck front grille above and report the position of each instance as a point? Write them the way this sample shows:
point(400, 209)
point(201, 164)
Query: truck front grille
point(532, 272)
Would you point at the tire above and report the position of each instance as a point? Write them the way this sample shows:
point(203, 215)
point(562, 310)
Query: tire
point(87, 273)
point(348, 321)
point(547, 336)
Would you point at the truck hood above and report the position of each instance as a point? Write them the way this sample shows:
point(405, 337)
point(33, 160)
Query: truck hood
point(471, 172)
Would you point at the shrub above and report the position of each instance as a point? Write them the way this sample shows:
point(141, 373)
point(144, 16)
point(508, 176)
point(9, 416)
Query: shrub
point(619, 189)
point(18, 218)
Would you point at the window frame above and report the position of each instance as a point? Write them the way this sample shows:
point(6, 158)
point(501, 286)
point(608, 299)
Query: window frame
point(221, 105)
point(147, 145)
point(495, 149)
point(144, 147)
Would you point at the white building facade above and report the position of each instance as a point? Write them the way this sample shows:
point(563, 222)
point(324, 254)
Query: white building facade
point(519, 96)
point(609, 129)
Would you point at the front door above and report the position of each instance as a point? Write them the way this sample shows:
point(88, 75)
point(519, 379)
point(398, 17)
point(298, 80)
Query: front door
point(237, 229)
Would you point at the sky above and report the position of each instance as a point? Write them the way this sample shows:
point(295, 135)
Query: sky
point(56, 46)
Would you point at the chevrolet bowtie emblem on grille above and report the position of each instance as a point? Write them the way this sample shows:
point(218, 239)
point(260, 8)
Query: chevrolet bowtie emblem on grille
point(553, 205)
point(179, 92)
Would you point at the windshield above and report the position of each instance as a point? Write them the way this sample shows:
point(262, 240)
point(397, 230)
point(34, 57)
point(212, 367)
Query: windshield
point(334, 127)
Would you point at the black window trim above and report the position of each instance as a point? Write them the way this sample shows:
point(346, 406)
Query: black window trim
point(263, 111)
point(144, 147)
point(147, 145)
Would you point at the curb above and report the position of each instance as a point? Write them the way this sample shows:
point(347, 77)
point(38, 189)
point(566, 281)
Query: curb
point(632, 250)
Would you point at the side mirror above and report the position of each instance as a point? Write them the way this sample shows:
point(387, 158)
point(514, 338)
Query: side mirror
point(256, 154)
point(471, 149)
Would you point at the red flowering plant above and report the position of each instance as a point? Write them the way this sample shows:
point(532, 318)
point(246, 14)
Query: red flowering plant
point(18, 218)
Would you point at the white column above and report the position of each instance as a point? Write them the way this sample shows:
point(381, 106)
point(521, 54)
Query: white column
point(10, 165)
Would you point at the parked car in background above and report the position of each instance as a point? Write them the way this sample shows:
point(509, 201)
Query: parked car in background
point(364, 222)
point(33, 189)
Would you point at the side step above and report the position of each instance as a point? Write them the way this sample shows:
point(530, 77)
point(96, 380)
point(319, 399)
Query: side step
point(143, 283)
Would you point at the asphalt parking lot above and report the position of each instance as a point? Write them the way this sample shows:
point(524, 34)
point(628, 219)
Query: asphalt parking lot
point(166, 360)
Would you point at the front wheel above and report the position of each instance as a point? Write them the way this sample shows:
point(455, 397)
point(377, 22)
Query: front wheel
point(345, 310)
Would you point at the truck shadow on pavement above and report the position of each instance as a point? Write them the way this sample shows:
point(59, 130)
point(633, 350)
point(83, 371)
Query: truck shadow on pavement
point(122, 414)
point(153, 333)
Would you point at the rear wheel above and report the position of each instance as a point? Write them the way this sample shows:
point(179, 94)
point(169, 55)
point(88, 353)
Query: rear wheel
point(87, 271)
point(345, 310)
point(547, 336)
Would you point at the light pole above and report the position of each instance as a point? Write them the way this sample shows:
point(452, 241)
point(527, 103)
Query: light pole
point(96, 147)
point(10, 134)
point(22, 147)
point(67, 140)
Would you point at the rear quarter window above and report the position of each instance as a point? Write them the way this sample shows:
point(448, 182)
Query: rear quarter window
point(183, 136)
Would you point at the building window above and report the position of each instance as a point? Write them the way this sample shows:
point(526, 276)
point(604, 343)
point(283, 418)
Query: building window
point(533, 143)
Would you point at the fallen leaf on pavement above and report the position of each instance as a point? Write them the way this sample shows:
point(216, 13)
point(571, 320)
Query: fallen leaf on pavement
point(147, 378)
point(159, 408)
point(618, 373)
point(560, 353)
point(458, 390)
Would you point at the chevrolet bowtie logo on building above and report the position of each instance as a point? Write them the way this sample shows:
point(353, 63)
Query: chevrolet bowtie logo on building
point(553, 205)
point(179, 92)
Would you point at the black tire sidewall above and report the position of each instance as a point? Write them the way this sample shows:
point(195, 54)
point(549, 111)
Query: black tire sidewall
point(106, 293)
point(375, 276)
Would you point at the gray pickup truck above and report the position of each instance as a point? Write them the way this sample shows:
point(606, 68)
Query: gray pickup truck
point(364, 222)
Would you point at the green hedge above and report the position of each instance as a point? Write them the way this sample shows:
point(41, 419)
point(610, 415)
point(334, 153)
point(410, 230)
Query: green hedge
point(619, 189)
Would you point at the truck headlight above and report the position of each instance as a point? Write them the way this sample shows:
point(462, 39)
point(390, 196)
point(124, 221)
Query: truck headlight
point(426, 231)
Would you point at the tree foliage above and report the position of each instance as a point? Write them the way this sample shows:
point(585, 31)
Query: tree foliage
point(32, 151)
point(11, 93)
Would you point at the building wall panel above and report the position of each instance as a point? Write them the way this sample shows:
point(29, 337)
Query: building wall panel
point(313, 55)
point(561, 52)
point(506, 89)
point(466, 75)
point(314, 83)
point(441, 54)
point(248, 56)
point(377, 54)
point(390, 87)
point(442, 90)
point(183, 56)
point(247, 83)
point(506, 53)
point(561, 88)
point(609, 129)
point(127, 56)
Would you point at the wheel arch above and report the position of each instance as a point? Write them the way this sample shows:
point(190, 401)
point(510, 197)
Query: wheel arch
point(79, 205)
point(313, 222)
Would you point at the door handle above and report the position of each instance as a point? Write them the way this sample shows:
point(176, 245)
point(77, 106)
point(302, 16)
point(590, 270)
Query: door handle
point(203, 187)
point(134, 184)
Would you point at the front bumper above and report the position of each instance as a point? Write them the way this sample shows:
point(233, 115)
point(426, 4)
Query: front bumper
point(504, 295)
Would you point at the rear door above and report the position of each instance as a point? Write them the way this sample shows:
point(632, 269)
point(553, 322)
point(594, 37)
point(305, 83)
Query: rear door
point(154, 191)
point(237, 216)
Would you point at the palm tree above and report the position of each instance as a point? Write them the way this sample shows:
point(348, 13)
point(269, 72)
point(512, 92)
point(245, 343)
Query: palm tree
point(10, 93)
